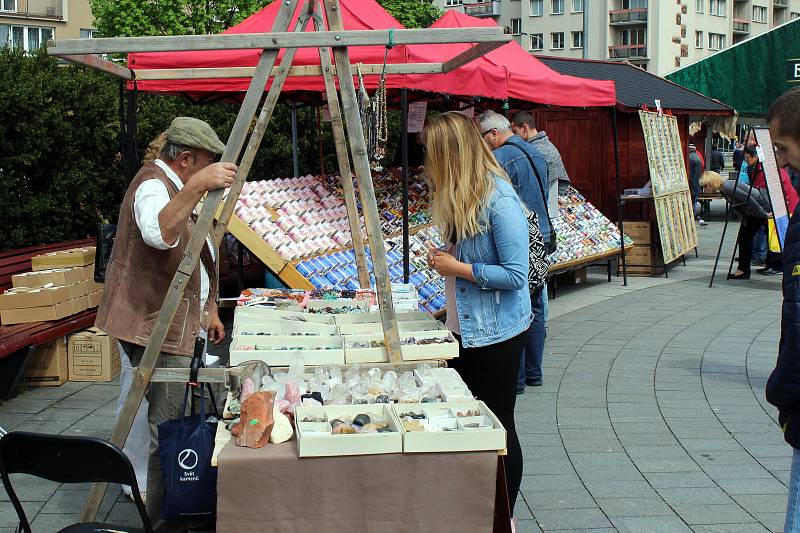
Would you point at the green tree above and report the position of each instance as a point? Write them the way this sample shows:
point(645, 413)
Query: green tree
point(412, 13)
point(136, 18)
point(58, 149)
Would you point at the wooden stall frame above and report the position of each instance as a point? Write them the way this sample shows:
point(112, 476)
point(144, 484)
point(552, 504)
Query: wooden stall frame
point(84, 51)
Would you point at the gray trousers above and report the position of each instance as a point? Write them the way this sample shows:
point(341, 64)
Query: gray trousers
point(165, 402)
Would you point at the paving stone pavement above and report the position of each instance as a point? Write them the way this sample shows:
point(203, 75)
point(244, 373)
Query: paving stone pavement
point(652, 415)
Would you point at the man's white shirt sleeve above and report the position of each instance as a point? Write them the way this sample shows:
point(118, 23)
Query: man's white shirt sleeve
point(151, 197)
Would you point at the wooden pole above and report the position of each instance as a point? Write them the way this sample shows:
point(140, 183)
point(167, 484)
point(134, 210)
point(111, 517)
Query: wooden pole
point(358, 148)
point(191, 256)
point(344, 168)
point(258, 131)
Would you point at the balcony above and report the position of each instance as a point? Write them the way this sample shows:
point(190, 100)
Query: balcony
point(628, 16)
point(35, 9)
point(741, 26)
point(628, 51)
point(483, 9)
point(780, 4)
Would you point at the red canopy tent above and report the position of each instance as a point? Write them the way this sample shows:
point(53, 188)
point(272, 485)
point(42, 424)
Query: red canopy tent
point(508, 72)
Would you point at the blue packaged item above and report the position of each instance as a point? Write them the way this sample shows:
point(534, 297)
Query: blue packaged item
point(352, 284)
point(317, 265)
point(326, 262)
point(438, 302)
point(417, 279)
point(305, 269)
point(427, 291)
point(319, 281)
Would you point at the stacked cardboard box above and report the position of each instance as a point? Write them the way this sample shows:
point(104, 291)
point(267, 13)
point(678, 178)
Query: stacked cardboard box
point(644, 259)
point(93, 356)
point(61, 284)
point(47, 366)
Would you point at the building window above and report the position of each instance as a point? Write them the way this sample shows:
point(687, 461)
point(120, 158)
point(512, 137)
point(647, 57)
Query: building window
point(577, 6)
point(577, 39)
point(557, 7)
point(8, 5)
point(698, 6)
point(557, 40)
point(698, 39)
point(716, 41)
point(451, 3)
point(634, 4)
point(28, 38)
point(537, 8)
point(633, 37)
point(537, 42)
point(87, 33)
point(759, 14)
point(516, 26)
point(794, 15)
point(717, 8)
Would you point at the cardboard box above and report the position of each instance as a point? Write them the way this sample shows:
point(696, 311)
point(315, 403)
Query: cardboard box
point(410, 352)
point(38, 314)
point(76, 257)
point(24, 297)
point(94, 299)
point(90, 286)
point(314, 350)
point(56, 276)
point(642, 261)
point(88, 272)
point(80, 304)
point(641, 231)
point(460, 439)
point(314, 439)
point(93, 356)
point(48, 365)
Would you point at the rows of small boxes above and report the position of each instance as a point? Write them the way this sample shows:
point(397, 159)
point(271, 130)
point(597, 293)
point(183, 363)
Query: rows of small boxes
point(88, 355)
point(61, 284)
point(281, 338)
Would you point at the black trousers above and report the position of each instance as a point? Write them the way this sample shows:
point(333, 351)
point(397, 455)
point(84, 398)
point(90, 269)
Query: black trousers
point(491, 372)
point(747, 230)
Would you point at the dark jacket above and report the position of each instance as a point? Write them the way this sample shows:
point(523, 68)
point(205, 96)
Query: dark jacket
point(717, 160)
point(746, 200)
point(738, 159)
point(783, 386)
point(695, 172)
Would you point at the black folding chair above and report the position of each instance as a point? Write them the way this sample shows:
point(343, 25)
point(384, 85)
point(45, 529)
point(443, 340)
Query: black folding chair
point(67, 459)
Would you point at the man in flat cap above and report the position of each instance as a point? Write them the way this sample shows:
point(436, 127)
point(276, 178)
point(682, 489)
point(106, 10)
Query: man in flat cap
point(155, 224)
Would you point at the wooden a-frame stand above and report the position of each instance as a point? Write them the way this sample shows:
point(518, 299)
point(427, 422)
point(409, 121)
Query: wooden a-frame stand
point(347, 129)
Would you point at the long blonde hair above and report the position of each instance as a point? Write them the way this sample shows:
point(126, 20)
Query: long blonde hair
point(461, 166)
point(155, 146)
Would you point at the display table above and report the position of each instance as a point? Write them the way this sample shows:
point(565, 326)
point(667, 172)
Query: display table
point(272, 489)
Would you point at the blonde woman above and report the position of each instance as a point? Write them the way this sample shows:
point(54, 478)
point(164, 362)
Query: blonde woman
point(485, 267)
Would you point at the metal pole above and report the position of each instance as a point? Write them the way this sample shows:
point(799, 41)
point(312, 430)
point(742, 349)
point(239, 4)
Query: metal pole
point(620, 201)
point(404, 163)
point(586, 29)
point(295, 154)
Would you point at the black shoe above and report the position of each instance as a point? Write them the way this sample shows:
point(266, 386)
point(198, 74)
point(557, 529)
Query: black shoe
point(534, 382)
point(757, 262)
point(743, 275)
point(520, 390)
point(762, 270)
point(770, 272)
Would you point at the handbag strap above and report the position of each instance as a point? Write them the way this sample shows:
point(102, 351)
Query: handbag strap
point(538, 180)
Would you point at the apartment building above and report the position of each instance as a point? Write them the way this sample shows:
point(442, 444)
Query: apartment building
point(29, 24)
point(658, 35)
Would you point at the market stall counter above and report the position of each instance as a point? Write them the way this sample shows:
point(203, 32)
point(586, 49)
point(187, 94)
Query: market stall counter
point(273, 487)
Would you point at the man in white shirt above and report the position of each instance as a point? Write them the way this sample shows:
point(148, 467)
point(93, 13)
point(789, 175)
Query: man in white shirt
point(155, 224)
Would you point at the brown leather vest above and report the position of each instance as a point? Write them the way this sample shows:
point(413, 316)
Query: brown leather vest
point(138, 276)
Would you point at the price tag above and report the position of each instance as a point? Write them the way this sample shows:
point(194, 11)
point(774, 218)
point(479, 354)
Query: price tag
point(416, 116)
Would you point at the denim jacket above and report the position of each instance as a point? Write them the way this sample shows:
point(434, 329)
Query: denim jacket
point(519, 170)
point(498, 306)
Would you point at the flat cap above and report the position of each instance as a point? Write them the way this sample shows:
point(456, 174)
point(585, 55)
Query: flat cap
point(194, 133)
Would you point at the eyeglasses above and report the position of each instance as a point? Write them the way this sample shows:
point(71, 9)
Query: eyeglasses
point(487, 131)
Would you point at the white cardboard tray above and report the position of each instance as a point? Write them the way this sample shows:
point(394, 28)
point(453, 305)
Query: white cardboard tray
point(311, 444)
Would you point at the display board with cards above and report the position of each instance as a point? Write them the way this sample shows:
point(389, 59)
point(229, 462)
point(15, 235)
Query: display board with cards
point(670, 183)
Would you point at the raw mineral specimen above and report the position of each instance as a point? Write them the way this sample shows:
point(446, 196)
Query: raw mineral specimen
point(361, 419)
point(256, 421)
